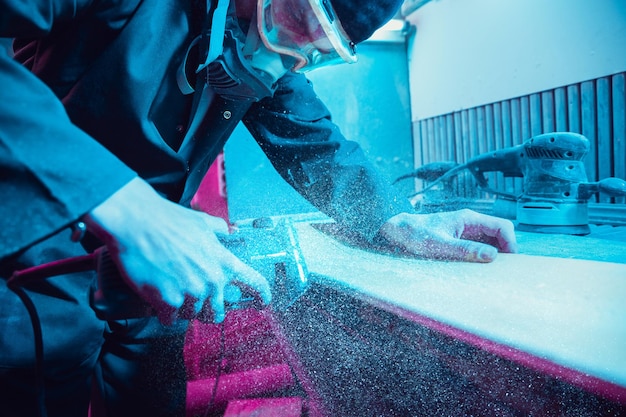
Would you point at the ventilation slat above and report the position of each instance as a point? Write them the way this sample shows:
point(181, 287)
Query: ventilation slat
point(618, 110)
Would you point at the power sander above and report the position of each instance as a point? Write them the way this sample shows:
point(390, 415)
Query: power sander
point(555, 187)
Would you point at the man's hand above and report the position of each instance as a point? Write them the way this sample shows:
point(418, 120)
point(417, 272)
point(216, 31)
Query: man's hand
point(169, 253)
point(462, 235)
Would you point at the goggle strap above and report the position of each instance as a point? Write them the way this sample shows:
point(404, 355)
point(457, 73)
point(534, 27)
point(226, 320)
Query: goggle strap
point(218, 27)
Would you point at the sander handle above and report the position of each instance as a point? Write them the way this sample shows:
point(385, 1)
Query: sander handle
point(612, 186)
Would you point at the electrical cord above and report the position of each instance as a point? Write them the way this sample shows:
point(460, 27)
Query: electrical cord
point(16, 282)
point(66, 266)
point(39, 373)
point(449, 174)
point(454, 171)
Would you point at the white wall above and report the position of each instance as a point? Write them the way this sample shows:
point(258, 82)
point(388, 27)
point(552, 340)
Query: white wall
point(472, 52)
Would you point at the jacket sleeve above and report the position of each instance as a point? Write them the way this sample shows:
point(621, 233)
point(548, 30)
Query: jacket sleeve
point(51, 172)
point(31, 18)
point(35, 18)
point(295, 131)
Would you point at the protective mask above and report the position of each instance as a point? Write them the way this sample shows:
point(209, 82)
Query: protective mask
point(306, 30)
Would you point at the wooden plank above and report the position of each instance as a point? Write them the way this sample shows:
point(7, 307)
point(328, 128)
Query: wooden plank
point(573, 108)
point(442, 140)
point(567, 311)
point(459, 145)
point(458, 137)
point(418, 151)
point(536, 119)
point(465, 135)
point(516, 122)
point(547, 112)
point(436, 142)
point(604, 126)
point(423, 141)
point(515, 184)
point(525, 118)
point(560, 109)
point(425, 149)
point(497, 125)
point(490, 141)
point(489, 129)
point(483, 145)
point(464, 181)
point(481, 131)
point(431, 154)
point(588, 126)
point(619, 128)
point(473, 149)
point(498, 139)
point(417, 144)
point(508, 131)
point(473, 132)
point(418, 366)
point(450, 137)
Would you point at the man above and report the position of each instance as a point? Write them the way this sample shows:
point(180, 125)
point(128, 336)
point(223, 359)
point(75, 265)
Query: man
point(109, 121)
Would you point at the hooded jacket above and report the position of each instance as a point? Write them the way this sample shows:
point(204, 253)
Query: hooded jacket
point(90, 101)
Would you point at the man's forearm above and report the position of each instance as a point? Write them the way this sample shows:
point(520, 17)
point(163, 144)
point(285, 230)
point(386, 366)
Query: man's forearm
point(52, 172)
point(295, 130)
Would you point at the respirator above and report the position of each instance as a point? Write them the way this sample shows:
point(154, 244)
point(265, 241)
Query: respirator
point(244, 69)
point(282, 35)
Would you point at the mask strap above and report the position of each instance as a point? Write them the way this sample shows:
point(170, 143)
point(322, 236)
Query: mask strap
point(216, 44)
point(181, 76)
point(218, 26)
point(259, 56)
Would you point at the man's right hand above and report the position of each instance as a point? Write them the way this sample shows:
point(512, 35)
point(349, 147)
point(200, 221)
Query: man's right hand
point(168, 253)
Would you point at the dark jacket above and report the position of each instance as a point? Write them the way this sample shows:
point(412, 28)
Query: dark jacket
point(108, 69)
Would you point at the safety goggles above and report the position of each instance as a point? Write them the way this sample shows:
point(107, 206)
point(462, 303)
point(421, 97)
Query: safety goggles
point(306, 30)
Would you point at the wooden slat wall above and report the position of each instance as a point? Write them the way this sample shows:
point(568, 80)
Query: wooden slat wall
point(595, 108)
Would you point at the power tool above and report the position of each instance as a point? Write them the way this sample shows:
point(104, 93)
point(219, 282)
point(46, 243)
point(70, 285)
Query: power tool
point(271, 248)
point(555, 186)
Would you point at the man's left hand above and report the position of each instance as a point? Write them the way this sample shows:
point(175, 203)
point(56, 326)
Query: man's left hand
point(462, 235)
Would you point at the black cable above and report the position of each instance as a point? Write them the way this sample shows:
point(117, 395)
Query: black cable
point(33, 274)
point(38, 336)
point(451, 173)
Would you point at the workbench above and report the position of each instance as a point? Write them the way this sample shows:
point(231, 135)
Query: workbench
point(541, 332)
